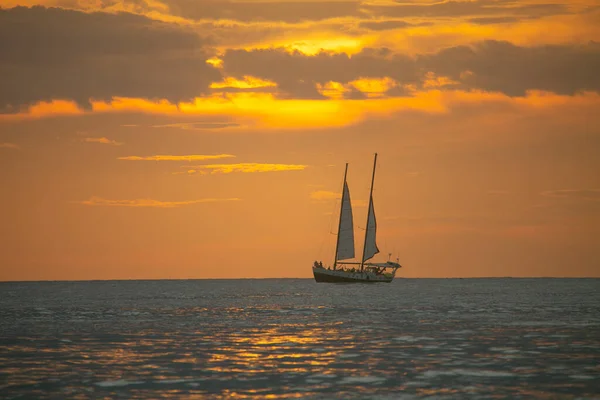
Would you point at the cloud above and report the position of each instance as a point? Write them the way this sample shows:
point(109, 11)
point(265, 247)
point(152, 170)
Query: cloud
point(297, 74)
point(9, 146)
point(102, 140)
point(489, 65)
point(44, 109)
point(246, 168)
point(98, 201)
point(196, 126)
point(263, 11)
point(433, 81)
point(349, 26)
point(456, 9)
point(265, 111)
point(154, 9)
point(47, 70)
point(302, 11)
point(511, 69)
point(321, 195)
point(246, 83)
point(493, 20)
point(577, 194)
point(373, 87)
point(384, 25)
point(52, 54)
point(192, 157)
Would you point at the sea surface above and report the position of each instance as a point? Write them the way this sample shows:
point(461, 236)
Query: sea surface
point(294, 338)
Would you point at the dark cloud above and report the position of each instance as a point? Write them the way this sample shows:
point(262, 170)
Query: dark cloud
point(50, 53)
point(354, 94)
point(511, 69)
point(60, 54)
point(264, 89)
point(299, 89)
point(296, 11)
point(238, 34)
point(135, 6)
point(256, 11)
point(466, 9)
point(293, 70)
point(489, 65)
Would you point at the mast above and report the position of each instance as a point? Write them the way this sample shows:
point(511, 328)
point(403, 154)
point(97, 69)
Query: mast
point(337, 242)
point(362, 262)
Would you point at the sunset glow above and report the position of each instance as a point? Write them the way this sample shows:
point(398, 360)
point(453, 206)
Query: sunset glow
point(210, 127)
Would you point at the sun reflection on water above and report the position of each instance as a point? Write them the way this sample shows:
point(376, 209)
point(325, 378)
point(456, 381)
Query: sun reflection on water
point(293, 348)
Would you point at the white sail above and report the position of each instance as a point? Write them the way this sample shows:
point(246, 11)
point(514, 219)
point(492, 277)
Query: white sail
point(370, 245)
point(346, 232)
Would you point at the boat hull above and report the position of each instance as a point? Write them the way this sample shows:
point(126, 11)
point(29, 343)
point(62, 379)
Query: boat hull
point(340, 276)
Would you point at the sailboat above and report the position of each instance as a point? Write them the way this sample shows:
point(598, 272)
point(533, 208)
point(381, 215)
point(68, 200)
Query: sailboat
point(352, 271)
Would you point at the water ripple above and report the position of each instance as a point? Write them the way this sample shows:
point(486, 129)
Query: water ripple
point(297, 339)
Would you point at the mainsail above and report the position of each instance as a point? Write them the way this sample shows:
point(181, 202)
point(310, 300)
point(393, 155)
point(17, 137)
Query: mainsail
point(370, 244)
point(345, 243)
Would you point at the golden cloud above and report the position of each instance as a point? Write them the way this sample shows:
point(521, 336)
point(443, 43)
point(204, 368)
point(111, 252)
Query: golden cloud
point(193, 157)
point(129, 104)
point(102, 140)
point(442, 33)
point(215, 62)
point(320, 195)
point(420, 30)
point(9, 146)
point(333, 90)
point(371, 87)
point(374, 87)
point(311, 43)
point(248, 82)
point(44, 109)
point(247, 168)
point(265, 110)
point(433, 81)
point(98, 201)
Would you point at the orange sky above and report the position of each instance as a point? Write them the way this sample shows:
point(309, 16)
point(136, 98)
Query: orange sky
point(207, 139)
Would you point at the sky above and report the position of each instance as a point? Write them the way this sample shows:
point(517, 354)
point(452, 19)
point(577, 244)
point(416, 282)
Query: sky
point(176, 139)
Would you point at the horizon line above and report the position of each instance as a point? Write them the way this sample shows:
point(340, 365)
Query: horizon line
point(281, 278)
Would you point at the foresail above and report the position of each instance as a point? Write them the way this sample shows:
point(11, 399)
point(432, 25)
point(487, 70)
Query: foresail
point(346, 234)
point(370, 242)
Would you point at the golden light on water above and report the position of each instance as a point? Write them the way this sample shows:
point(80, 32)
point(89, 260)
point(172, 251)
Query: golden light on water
point(261, 350)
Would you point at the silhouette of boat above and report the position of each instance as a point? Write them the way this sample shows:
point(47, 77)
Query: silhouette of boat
point(352, 271)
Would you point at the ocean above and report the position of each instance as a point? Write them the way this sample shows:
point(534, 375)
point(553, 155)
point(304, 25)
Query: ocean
point(294, 338)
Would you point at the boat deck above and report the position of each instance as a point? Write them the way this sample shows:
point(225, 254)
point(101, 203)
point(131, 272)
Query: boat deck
point(343, 276)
